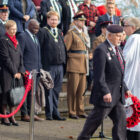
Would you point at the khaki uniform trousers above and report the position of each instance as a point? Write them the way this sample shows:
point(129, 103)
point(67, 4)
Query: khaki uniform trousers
point(75, 90)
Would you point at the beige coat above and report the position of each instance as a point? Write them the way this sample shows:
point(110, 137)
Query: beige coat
point(76, 62)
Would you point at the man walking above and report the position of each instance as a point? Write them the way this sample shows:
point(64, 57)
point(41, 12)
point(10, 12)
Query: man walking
point(108, 93)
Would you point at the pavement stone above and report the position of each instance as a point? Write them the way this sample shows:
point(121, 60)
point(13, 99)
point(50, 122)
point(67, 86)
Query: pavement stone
point(50, 130)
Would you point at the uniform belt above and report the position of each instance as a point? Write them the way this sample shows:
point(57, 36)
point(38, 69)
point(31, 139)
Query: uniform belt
point(77, 51)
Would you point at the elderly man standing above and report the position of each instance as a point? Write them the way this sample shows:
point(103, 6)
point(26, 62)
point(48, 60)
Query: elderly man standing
point(108, 93)
point(53, 55)
point(75, 41)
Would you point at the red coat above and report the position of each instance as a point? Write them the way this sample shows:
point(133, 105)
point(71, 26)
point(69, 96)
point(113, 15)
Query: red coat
point(102, 10)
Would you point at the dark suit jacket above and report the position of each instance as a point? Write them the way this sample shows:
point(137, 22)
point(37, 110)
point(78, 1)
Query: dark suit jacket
point(66, 15)
point(2, 30)
point(52, 53)
point(16, 12)
point(46, 7)
point(108, 77)
point(103, 18)
point(12, 62)
point(31, 52)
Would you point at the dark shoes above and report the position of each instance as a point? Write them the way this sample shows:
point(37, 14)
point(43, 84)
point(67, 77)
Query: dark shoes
point(55, 118)
point(5, 123)
point(59, 118)
point(49, 118)
point(25, 118)
point(83, 116)
point(73, 116)
point(13, 122)
point(77, 117)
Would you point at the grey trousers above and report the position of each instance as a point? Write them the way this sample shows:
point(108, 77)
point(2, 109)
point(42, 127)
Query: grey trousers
point(96, 117)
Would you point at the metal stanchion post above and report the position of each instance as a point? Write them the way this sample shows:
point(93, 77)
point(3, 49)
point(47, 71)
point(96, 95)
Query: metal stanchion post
point(31, 126)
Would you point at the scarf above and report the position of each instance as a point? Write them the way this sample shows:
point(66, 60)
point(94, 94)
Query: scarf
point(13, 39)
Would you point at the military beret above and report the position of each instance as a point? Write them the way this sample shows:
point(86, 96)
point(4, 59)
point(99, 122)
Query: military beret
point(104, 24)
point(79, 16)
point(115, 28)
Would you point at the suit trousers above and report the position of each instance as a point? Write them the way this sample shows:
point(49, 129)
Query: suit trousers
point(96, 117)
point(26, 107)
point(75, 90)
point(52, 95)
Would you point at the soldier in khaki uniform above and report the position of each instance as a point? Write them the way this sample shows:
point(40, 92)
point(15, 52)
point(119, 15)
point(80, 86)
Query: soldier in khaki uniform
point(100, 39)
point(75, 41)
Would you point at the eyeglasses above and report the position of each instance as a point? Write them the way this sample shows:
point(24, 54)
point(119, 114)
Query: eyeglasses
point(127, 25)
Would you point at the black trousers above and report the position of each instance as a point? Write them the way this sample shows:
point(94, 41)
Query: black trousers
point(26, 107)
point(96, 117)
point(133, 135)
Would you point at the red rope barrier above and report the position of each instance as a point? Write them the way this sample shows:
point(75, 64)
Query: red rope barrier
point(28, 88)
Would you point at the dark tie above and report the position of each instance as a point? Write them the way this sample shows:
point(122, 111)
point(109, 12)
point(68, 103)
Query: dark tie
point(111, 19)
point(119, 58)
point(54, 32)
point(35, 40)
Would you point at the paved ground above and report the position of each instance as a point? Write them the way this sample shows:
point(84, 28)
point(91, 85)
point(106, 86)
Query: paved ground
point(49, 130)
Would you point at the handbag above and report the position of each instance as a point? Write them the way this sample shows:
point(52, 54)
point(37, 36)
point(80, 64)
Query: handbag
point(17, 92)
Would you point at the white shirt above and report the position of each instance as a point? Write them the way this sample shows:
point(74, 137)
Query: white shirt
point(112, 46)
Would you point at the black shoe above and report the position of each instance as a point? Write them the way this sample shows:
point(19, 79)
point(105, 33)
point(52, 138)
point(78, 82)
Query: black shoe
point(15, 123)
point(73, 117)
point(49, 118)
point(83, 116)
point(59, 118)
point(5, 123)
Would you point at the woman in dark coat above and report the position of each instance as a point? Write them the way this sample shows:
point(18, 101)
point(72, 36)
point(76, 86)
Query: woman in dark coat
point(12, 66)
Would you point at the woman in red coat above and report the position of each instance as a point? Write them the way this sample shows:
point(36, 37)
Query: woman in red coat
point(12, 66)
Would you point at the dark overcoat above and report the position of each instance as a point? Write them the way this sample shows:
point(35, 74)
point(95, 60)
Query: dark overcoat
point(66, 15)
point(108, 77)
point(12, 62)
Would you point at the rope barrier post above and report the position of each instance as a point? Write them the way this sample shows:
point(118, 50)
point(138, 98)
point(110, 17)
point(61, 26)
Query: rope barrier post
point(31, 126)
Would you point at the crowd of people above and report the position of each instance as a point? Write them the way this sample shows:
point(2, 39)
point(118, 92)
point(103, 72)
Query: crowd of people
point(95, 47)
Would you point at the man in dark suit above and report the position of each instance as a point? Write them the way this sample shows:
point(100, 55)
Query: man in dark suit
point(53, 56)
point(31, 58)
point(108, 93)
point(48, 5)
point(21, 11)
point(109, 16)
point(66, 15)
point(3, 18)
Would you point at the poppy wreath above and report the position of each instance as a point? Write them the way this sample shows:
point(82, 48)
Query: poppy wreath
point(133, 112)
